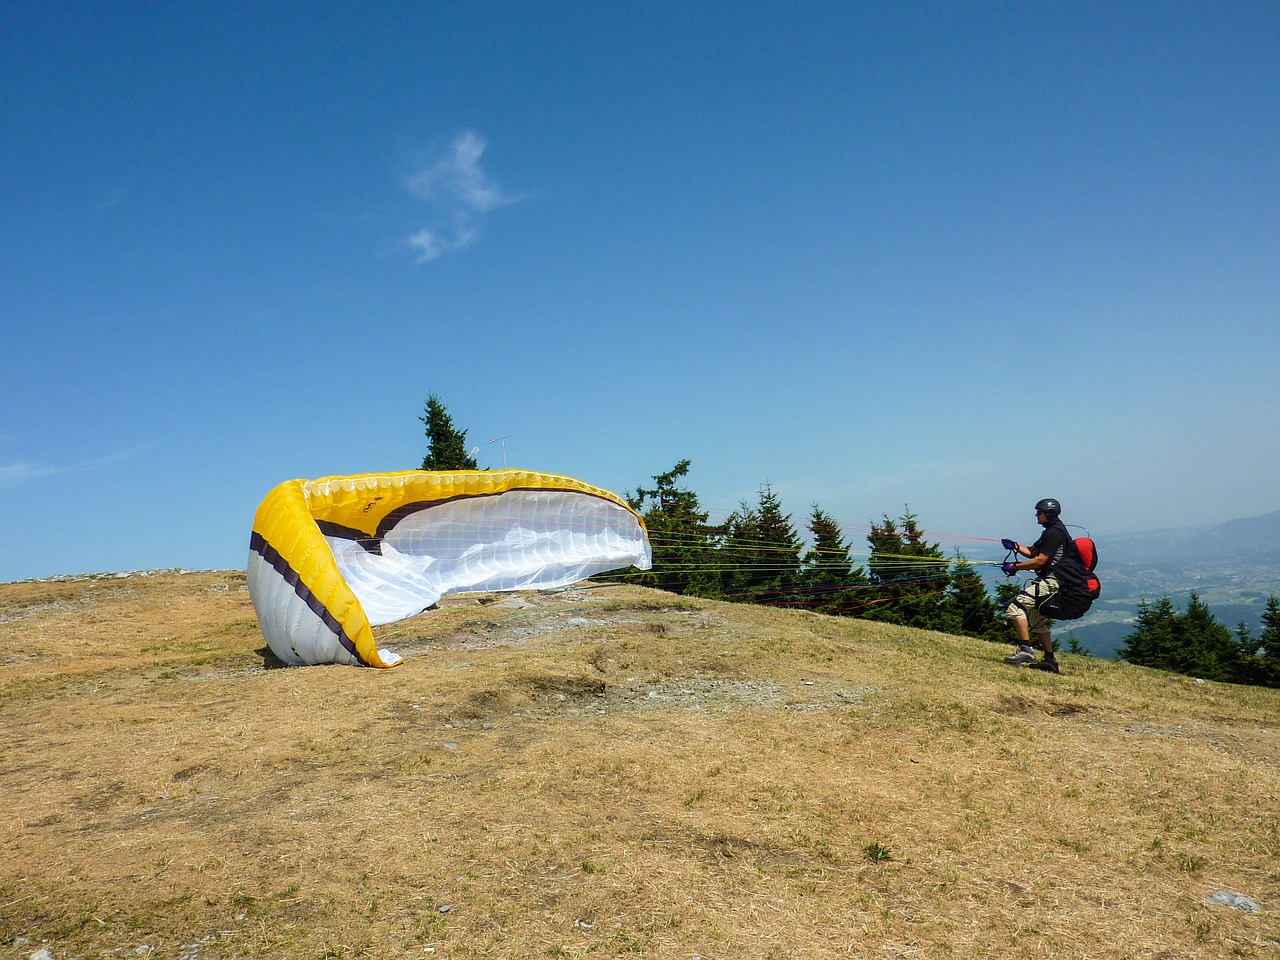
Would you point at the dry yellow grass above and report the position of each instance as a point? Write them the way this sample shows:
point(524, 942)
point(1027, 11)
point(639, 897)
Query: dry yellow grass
point(611, 771)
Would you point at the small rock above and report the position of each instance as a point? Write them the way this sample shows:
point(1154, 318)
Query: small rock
point(1236, 901)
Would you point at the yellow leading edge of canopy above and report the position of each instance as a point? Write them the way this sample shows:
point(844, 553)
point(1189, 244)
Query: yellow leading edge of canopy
point(362, 501)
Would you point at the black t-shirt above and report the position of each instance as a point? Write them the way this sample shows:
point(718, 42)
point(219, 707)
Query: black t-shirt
point(1064, 559)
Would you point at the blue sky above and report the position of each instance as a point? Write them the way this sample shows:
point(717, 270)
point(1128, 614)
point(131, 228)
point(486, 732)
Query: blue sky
point(951, 256)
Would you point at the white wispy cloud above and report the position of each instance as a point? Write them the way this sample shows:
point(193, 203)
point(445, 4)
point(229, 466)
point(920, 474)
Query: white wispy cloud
point(459, 192)
point(117, 195)
point(16, 474)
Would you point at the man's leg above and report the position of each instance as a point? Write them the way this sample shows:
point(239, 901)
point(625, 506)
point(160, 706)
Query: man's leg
point(1048, 662)
point(1016, 613)
point(1038, 626)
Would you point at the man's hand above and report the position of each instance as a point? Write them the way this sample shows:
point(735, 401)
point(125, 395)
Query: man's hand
point(1009, 569)
point(1008, 545)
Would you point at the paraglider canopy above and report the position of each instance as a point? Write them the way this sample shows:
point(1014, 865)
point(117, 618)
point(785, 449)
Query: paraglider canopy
point(330, 559)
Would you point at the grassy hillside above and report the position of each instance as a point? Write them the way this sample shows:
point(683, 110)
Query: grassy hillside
point(611, 772)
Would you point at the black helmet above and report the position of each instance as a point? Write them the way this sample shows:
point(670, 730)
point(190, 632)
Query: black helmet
point(1050, 507)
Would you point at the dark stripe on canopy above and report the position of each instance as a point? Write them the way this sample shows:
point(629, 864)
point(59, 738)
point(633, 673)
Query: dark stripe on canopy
point(259, 545)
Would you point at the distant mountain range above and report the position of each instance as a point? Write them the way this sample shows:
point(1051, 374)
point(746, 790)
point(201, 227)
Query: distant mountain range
point(1233, 567)
point(1255, 540)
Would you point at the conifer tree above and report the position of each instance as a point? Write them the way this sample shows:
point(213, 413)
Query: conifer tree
point(1006, 591)
point(738, 555)
point(779, 545)
point(758, 552)
point(1207, 648)
point(1269, 644)
point(1153, 639)
point(1249, 662)
point(828, 561)
point(969, 606)
point(446, 446)
point(678, 533)
point(826, 570)
point(1075, 646)
point(909, 575)
point(1194, 643)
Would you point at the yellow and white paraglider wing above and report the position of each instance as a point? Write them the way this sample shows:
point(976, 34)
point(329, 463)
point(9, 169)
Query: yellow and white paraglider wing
point(332, 558)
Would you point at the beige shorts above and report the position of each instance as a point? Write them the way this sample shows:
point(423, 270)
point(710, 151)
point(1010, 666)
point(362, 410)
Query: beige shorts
point(1025, 603)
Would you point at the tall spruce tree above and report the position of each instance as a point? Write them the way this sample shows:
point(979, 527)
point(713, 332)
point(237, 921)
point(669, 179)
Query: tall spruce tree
point(446, 446)
point(909, 575)
point(779, 544)
point(1269, 644)
point(678, 533)
point(1248, 656)
point(737, 555)
point(1153, 639)
point(759, 551)
point(1208, 648)
point(827, 575)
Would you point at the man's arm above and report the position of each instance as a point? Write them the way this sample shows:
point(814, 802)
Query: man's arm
point(1034, 563)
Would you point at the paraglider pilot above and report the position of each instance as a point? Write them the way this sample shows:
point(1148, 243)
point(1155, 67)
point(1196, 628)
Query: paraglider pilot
point(1043, 557)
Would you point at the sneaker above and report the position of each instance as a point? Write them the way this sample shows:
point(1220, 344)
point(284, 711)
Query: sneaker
point(1047, 665)
point(1023, 655)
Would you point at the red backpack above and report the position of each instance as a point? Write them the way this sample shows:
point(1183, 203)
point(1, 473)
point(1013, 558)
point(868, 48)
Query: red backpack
point(1070, 603)
point(1088, 551)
